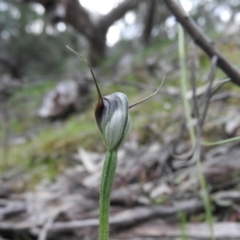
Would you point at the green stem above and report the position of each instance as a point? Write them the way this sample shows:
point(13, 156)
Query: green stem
point(181, 54)
point(206, 198)
point(108, 173)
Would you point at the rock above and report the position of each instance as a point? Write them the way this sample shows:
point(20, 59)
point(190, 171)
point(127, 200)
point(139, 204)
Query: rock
point(232, 127)
point(67, 97)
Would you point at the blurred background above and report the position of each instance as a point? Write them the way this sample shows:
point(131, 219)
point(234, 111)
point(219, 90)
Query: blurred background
point(51, 150)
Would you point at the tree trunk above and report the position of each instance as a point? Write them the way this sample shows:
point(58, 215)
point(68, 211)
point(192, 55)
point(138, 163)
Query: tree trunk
point(71, 12)
point(97, 48)
point(148, 25)
point(12, 67)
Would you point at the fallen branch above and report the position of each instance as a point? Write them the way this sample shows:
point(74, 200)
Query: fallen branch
point(133, 216)
point(203, 41)
point(223, 230)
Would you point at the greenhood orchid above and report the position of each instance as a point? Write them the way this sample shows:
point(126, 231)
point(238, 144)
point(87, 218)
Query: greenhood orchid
point(114, 123)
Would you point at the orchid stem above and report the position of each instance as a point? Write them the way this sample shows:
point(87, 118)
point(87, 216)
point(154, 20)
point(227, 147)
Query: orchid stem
point(108, 174)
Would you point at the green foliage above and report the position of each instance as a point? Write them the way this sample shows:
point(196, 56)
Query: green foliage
point(25, 43)
point(50, 152)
